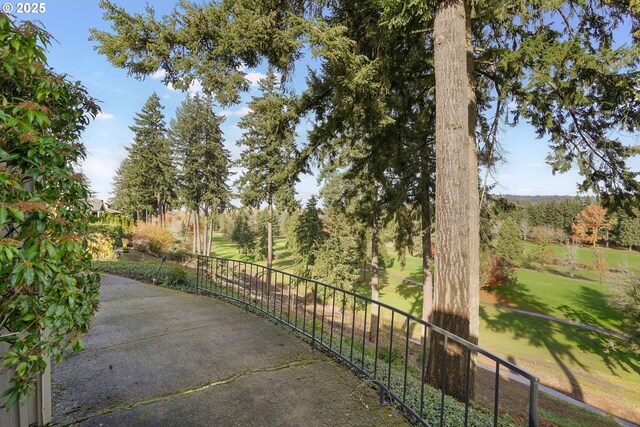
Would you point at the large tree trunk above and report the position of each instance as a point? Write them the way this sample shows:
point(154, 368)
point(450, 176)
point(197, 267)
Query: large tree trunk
point(210, 236)
point(205, 243)
point(270, 236)
point(457, 205)
point(196, 230)
point(426, 183)
point(193, 213)
point(375, 281)
point(427, 279)
point(159, 207)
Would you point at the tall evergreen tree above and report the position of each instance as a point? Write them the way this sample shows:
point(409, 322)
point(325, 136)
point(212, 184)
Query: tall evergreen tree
point(309, 235)
point(509, 244)
point(629, 230)
point(242, 234)
point(146, 179)
point(269, 151)
point(203, 165)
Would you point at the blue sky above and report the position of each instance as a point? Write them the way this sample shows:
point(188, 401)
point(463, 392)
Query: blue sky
point(121, 96)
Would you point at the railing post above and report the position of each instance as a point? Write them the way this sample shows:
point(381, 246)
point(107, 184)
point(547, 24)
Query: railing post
point(381, 394)
point(533, 403)
point(315, 304)
point(198, 274)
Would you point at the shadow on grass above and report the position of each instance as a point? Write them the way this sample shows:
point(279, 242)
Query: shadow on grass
point(413, 292)
point(568, 276)
point(558, 339)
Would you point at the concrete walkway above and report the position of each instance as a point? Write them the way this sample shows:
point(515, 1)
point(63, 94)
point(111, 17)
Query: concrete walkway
point(159, 357)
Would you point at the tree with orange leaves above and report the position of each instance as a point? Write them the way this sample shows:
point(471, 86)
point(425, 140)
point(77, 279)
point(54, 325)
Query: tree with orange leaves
point(589, 223)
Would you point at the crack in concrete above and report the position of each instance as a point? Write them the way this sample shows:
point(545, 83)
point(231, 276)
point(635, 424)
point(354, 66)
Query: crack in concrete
point(146, 338)
point(231, 378)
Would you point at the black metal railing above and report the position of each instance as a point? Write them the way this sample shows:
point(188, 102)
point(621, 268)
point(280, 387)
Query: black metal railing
point(390, 348)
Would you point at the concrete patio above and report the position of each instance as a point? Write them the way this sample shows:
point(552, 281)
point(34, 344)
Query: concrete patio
point(159, 357)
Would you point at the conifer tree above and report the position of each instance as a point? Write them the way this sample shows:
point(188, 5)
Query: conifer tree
point(242, 235)
point(309, 235)
point(629, 230)
point(269, 151)
point(508, 244)
point(203, 165)
point(146, 179)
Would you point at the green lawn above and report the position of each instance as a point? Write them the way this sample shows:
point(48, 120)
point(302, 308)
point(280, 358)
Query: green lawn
point(577, 361)
point(223, 247)
point(615, 257)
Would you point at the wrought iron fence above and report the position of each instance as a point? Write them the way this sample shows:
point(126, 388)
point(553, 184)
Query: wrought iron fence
point(390, 348)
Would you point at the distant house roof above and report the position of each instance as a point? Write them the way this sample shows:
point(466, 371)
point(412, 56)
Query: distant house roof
point(98, 205)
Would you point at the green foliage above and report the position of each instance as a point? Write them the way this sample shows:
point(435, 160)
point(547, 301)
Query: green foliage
point(337, 260)
point(628, 230)
point(45, 284)
point(558, 214)
point(124, 221)
point(176, 277)
point(263, 243)
point(269, 149)
point(308, 236)
point(203, 165)
point(543, 254)
point(243, 236)
point(509, 245)
point(145, 180)
point(203, 161)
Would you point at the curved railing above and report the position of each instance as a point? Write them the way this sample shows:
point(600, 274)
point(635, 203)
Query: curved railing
point(390, 348)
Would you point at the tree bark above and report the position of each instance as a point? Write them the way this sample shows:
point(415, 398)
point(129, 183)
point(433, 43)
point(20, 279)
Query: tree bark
point(210, 236)
point(427, 278)
point(193, 213)
point(457, 205)
point(375, 282)
point(205, 243)
point(270, 236)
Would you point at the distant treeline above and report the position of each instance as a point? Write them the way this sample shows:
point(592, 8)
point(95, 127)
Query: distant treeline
point(515, 198)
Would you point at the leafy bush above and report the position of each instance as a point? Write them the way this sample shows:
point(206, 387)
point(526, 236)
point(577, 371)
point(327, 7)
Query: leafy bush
point(179, 255)
point(101, 247)
point(114, 232)
point(500, 272)
point(542, 255)
point(44, 283)
point(148, 237)
point(176, 277)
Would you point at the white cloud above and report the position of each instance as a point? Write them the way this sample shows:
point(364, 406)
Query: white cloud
point(195, 88)
point(159, 75)
point(100, 167)
point(537, 165)
point(104, 116)
point(243, 111)
point(254, 77)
